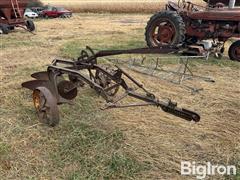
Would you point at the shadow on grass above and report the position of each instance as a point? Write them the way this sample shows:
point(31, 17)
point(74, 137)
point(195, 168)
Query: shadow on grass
point(96, 151)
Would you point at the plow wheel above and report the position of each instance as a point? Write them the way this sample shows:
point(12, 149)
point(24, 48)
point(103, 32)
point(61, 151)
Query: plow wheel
point(106, 82)
point(234, 51)
point(165, 28)
point(46, 106)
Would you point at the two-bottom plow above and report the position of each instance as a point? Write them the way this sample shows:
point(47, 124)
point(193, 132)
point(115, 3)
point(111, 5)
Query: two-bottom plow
point(60, 83)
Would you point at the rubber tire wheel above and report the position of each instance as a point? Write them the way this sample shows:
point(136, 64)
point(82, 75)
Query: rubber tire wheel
point(11, 28)
point(30, 25)
point(172, 17)
point(231, 51)
point(5, 29)
point(63, 16)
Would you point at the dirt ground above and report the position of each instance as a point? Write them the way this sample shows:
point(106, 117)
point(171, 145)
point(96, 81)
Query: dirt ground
point(151, 136)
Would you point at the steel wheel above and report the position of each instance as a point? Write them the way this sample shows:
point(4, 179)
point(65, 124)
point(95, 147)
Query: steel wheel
point(105, 82)
point(46, 106)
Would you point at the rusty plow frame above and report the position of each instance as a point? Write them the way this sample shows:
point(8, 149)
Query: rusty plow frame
point(60, 84)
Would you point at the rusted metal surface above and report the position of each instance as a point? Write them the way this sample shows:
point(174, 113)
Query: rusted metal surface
point(188, 23)
point(237, 52)
point(220, 14)
point(8, 3)
point(106, 81)
point(12, 15)
point(46, 106)
point(12, 9)
point(225, 2)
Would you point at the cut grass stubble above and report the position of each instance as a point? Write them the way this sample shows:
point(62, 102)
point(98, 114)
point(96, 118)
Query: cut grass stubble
point(116, 144)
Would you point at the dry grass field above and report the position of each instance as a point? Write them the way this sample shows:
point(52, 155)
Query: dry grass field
point(136, 143)
point(113, 6)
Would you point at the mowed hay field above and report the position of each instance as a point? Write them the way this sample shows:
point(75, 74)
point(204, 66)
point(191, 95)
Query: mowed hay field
point(135, 143)
point(114, 6)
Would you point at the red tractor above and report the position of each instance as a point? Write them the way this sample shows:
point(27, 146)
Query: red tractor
point(194, 25)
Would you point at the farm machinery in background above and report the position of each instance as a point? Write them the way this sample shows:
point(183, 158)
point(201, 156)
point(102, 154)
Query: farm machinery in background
point(202, 29)
point(54, 12)
point(12, 15)
point(47, 12)
point(60, 83)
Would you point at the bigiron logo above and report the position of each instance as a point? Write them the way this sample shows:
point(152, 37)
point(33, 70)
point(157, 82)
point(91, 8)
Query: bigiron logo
point(202, 171)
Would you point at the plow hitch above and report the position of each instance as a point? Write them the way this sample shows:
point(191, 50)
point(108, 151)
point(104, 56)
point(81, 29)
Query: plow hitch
point(59, 84)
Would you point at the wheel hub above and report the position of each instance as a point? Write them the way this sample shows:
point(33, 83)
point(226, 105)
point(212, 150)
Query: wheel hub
point(46, 106)
point(165, 33)
point(237, 52)
point(36, 99)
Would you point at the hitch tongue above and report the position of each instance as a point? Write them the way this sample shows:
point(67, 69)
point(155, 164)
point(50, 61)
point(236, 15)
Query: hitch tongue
point(186, 114)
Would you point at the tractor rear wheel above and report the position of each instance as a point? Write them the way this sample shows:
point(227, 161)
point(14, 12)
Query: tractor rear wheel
point(4, 29)
point(165, 28)
point(234, 51)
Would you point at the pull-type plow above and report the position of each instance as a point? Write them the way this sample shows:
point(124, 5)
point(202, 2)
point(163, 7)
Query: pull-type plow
point(52, 88)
